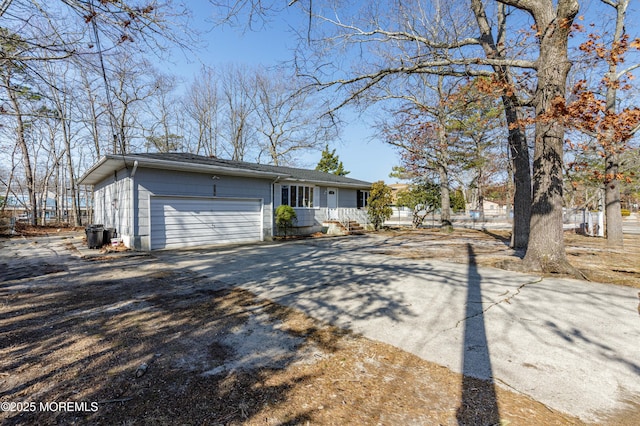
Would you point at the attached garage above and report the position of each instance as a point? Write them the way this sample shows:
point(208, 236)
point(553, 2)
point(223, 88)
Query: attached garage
point(178, 222)
point(158, 201)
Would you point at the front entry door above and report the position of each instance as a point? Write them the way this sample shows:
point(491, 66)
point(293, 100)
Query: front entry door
point(332, 203)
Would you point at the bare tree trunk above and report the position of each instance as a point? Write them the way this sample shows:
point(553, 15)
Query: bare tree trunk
point(546, 250)
point(59, 193)
point(9, 182)
point(62, 101)
point(43, 213)
point(75, 216)
point(509, 196)
point(90, 203)
point(92, 113)
point(445, 200)
point(443, 172)
point(519, 151)
point(6, 193)
point(480, 192)
point(613, 211)
point(66, 135)
point(517, 139)
point(22, 143)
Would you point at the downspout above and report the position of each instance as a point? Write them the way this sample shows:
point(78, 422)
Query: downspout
point(135, 167)
point(273, 205)
point(133, 209)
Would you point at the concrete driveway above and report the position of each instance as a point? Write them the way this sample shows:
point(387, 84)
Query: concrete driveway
point(572, 345)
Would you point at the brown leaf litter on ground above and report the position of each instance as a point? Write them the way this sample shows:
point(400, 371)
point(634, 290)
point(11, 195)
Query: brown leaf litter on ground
point(589, 254)
point(151, 345)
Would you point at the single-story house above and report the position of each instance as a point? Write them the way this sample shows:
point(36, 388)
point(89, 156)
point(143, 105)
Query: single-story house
point(171, 200)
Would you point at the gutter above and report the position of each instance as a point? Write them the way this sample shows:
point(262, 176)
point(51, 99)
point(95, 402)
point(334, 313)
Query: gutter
point(354, 185)
point(92, 169)
point(195, 167)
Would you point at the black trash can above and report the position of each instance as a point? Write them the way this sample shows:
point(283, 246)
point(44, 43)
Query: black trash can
point(95, 235)
point(109, 233)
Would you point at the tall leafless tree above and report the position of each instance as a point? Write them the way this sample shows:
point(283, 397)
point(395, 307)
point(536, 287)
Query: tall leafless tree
point(19, 92)
point(238, 92)
point(520, 162)
point(34, 34)
point(202, 104)
point(60, 91)
point(161, 129)
point(616, 71)
point(288, 119)
point(422, 131)
point(131, 85)
point(94, 113)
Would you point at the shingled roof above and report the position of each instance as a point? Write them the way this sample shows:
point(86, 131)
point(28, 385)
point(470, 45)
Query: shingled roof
point(199, 163)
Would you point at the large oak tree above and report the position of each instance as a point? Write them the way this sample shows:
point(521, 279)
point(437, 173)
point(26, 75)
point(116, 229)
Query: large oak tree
point(386, 40)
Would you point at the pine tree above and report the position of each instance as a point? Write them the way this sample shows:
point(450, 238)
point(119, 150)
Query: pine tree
point(330, 163)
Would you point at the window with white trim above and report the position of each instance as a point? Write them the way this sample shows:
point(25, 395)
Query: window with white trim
point(298, 195)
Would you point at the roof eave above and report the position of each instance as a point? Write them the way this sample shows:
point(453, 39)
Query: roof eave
point(350, 185)
point(89, 177)
point(110, 163)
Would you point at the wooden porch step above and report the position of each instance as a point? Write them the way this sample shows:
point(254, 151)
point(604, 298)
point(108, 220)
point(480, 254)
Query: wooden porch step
point(352, 227)
point(355, 228)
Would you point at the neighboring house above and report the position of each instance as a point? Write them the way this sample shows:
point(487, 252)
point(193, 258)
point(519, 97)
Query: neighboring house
point(492, 208)
point(171, 200)
point(19, 206)
point(396, 188)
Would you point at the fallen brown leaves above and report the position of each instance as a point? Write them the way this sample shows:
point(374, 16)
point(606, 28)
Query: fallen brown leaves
point(590, 255)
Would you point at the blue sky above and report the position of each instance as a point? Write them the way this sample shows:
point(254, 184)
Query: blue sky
point(366, 157)
point(363, 154)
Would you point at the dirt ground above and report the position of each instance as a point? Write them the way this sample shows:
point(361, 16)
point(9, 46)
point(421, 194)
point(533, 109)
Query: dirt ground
point(131, 341)
point(589, 254)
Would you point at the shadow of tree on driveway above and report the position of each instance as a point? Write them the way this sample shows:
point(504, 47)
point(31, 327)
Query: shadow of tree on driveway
point(479, 403)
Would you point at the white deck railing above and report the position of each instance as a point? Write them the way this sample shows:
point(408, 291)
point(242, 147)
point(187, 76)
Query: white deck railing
point(346, 215)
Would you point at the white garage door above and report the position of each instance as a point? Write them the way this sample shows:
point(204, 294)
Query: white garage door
point(183, 222)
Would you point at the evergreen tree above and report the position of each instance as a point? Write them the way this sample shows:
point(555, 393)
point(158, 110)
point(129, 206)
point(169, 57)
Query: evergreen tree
point(330, 163)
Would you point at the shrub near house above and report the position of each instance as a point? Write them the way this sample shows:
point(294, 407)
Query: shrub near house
point(379, 205)
point(285, 218)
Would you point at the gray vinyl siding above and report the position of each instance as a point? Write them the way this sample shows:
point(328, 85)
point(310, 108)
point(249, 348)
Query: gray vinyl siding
point(113, 204)
point(347, 198)
point(150, 182)
point(305, 217)
point(323, 197)
point(123, 199)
